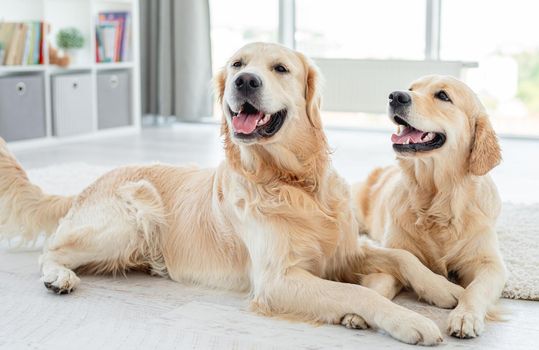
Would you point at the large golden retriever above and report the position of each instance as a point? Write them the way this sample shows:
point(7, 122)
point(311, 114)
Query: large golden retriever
point(438, 202)
point(273, 219)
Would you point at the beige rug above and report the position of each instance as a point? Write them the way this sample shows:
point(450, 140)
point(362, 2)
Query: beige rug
point(518, 233)
point(518, 226)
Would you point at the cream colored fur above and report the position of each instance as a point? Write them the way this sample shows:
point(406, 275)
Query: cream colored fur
point(441, 205)
point(25, 210)
point(273, 219)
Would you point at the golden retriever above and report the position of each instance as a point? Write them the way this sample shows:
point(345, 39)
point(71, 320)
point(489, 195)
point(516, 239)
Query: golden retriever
point(273, 218)
point(439, 202)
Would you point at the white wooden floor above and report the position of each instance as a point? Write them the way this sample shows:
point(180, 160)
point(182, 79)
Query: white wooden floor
point(143, 312)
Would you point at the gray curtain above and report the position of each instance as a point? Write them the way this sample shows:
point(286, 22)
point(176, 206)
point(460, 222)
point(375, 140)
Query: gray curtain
point(176, 58)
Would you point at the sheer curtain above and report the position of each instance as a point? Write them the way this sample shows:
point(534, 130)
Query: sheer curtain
point(176, 58)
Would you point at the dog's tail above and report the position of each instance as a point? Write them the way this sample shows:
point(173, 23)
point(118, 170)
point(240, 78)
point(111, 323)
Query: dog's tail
point(26, 211)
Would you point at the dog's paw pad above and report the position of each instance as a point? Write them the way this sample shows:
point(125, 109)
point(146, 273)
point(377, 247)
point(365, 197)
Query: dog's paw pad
point(414, 329)
point(465, 325)
point(354, 321)
point(61, 281)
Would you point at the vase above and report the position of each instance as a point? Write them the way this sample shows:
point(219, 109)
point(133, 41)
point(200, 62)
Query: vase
point(73, 55)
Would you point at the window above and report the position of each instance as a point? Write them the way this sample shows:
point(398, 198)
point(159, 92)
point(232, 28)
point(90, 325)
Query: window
point(235, 23)
point(498, 35)
point(380, 29)
point(506, 46)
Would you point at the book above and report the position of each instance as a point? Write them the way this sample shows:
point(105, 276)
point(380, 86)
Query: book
point(25, 52)
point(23, 32)
point(126, 47)
point(98, 45)
point(44, 30)
point(119, 18)
point(113, 45)
point(6, 34)
point(108, 39)
point(12, 50)
point(37, 42)
point(22, 42)
point(31, 43)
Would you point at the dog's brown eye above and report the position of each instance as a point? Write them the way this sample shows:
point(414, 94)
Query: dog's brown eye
point(237, 64)
point(280, 68)
point(442, 95)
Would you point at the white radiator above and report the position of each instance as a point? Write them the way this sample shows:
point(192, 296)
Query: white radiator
point(354, 85)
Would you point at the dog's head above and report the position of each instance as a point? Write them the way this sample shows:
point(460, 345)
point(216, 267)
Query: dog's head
point(268, 94)
point(441, 117)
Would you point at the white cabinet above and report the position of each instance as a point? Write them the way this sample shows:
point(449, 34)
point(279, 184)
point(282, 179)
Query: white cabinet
point(72, 106)
point(66, 110)
point(22, 107)
point(113, 99)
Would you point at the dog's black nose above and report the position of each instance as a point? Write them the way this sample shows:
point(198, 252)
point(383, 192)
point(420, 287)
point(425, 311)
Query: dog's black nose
point(399, 99)
point(248, 82)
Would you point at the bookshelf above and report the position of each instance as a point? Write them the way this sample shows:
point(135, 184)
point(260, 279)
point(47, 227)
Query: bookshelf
point(83, 15)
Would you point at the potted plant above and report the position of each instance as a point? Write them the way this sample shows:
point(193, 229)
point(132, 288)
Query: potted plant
point(70, 40)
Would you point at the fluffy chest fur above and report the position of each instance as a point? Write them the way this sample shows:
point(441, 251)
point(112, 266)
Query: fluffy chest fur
point(309, 225)
point(429, 232)
point(437, 224)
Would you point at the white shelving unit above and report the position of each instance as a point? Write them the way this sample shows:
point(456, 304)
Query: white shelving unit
point(81, 14)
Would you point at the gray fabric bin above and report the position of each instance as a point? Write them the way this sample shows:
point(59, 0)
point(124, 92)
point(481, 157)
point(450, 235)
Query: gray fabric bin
point(72, 104)
point(22, 107)
point(113, 99)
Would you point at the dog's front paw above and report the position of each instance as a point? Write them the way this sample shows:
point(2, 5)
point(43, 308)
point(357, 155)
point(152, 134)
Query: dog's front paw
point(60, 280)
point(465, 324)
point(443, 293)
point(354, 321)
point(413, 328)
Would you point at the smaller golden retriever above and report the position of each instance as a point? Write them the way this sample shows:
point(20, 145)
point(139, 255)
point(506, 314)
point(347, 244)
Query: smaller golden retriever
point(439, 202)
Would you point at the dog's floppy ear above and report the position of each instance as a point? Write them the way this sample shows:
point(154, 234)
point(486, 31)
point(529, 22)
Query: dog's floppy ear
point(219, 82)
point(485, 153)
point(312, 91)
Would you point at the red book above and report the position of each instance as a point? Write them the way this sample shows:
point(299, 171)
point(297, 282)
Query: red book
point(44, 29)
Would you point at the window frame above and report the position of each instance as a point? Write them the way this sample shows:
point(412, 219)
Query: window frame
point(433, 15)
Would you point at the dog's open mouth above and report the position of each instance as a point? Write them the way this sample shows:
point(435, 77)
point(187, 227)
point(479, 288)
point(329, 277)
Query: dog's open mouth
point(250, 122)
point(410, 139)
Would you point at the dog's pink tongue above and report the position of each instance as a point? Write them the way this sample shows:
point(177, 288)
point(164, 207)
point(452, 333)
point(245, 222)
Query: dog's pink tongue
point(246, 123)
point(409, 135)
